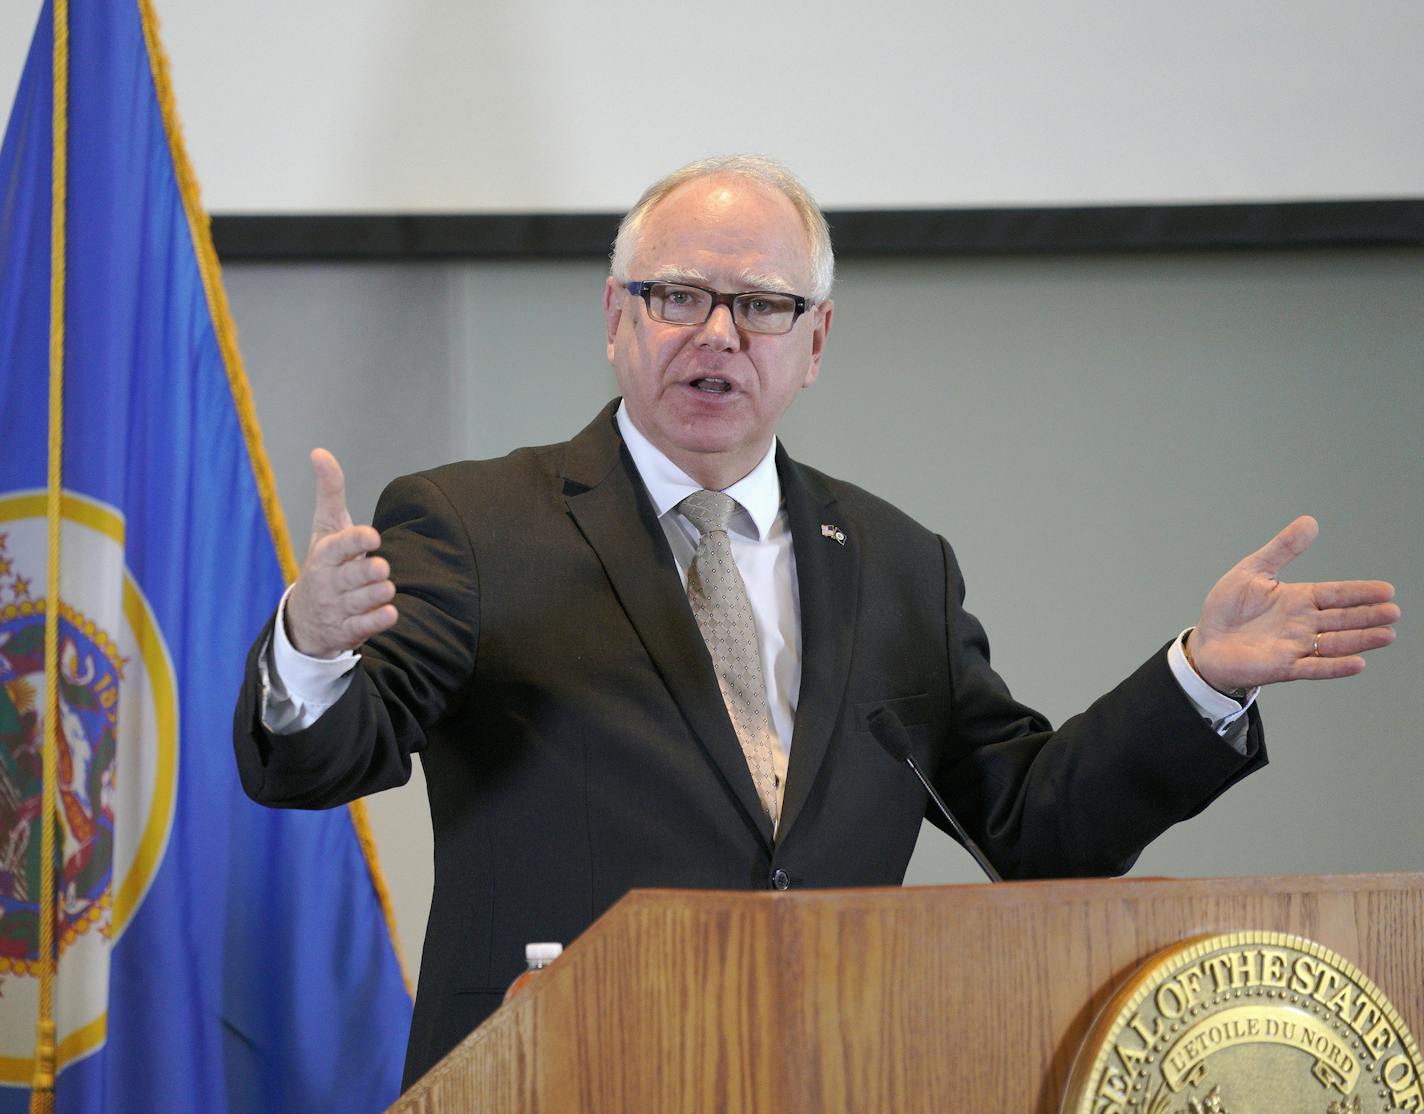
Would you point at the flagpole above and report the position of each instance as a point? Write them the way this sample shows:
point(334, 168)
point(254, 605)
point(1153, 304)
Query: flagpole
point(42, 1086)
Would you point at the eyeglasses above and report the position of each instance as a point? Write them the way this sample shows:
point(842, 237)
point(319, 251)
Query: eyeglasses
point(756, 311)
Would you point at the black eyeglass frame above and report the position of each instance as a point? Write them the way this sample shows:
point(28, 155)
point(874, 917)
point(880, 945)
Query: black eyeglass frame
point(643, 289)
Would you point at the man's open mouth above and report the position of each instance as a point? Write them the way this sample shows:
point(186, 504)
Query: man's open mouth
point(712, 385)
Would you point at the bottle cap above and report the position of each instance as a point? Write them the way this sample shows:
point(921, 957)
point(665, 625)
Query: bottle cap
point(542, 953)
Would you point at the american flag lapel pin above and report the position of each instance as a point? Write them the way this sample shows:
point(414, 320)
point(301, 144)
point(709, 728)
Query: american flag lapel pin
point(833, 532)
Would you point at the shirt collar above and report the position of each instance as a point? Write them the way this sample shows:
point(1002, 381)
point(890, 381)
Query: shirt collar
point(758, 492)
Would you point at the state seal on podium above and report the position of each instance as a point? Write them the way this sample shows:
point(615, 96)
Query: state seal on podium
point(1246, 1023)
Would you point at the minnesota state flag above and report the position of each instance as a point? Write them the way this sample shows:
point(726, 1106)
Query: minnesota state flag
point(194, 951)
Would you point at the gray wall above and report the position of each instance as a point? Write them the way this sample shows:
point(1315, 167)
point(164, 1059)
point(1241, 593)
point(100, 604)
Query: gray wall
point(1099, 438)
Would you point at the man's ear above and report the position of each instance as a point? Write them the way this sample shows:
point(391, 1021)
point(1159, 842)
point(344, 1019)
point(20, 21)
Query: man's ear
point(820, 329)
point(612, 310)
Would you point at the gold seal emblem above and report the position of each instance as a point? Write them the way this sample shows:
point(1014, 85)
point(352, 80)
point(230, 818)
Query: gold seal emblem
point(1245, 1023)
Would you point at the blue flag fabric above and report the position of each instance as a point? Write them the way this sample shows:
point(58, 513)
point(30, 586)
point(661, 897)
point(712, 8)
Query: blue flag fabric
point(214, 955)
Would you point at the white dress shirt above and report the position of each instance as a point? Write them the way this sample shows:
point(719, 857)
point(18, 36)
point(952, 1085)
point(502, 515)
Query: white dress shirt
point(297, 688)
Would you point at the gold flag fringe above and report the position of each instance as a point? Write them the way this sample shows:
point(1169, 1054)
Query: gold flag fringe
point(226, 331)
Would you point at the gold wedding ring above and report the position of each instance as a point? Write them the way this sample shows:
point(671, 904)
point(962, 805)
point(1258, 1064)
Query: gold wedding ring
point(1315, 646)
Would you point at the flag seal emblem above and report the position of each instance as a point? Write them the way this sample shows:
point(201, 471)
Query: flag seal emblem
point(118, 752)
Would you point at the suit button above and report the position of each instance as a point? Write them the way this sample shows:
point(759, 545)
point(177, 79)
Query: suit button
point(780, 879)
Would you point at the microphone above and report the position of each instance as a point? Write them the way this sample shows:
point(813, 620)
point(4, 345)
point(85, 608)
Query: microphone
point(890, 733)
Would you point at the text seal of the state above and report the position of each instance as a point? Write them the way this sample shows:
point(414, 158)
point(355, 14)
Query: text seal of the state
point(1245, 1023)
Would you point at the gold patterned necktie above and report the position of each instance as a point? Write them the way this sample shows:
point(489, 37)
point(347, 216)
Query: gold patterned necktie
point(724, 615)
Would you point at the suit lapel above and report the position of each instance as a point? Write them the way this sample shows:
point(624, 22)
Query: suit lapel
point(828, 575)
point(612, 510)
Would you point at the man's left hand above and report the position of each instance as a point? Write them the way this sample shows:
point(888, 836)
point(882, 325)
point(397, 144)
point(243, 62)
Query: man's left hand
point(1254, 630)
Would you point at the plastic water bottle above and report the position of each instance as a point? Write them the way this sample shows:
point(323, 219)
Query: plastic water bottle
point(536, 958)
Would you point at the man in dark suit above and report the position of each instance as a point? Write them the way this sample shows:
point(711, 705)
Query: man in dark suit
point(611, 687)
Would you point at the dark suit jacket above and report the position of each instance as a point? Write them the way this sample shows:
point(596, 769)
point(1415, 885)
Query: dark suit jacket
point(548, 668)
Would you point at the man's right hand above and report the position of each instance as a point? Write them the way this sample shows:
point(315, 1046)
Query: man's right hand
point(341, 597)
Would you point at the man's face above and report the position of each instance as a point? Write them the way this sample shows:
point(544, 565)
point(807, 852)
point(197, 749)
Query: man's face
point(710, 396)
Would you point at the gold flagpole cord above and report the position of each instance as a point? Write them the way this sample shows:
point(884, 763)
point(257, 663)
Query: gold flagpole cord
point(42, 1085)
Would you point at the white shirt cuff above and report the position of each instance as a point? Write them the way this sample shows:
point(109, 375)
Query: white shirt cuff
point(297, 688)
point(1225, 715)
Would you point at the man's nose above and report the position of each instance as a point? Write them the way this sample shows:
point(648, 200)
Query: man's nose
point(719, 331)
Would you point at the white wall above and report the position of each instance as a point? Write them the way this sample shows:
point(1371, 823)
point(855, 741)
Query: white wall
point(369, 105)
point(1098, 437)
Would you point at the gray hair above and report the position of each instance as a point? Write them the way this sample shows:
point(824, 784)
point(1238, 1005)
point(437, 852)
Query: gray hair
point(759, 169)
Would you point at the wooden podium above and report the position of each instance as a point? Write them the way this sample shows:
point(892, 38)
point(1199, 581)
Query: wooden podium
point(962, 998)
